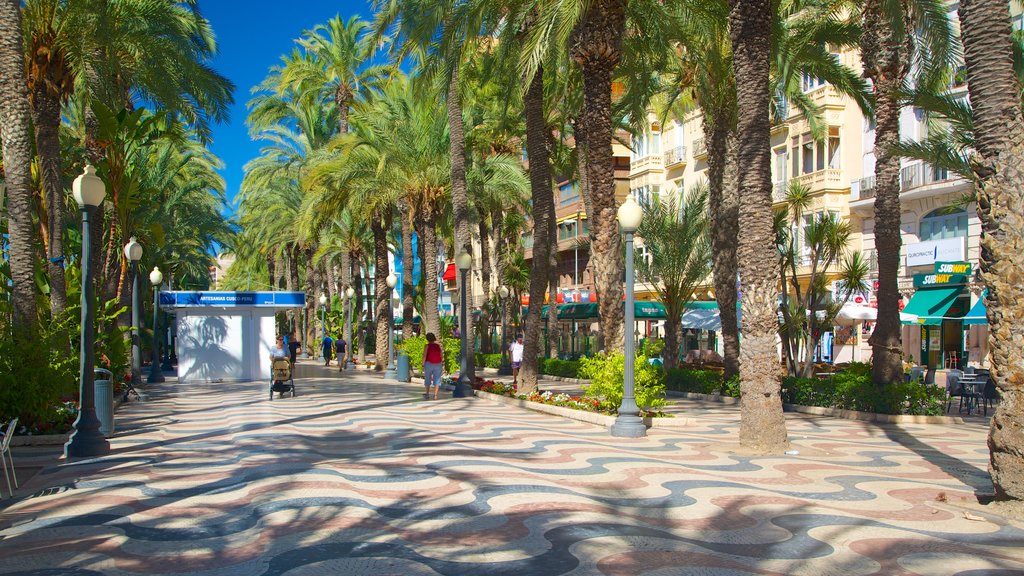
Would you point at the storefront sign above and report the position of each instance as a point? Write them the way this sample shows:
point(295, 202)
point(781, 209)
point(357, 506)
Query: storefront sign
point(928, 280)
point(963, 268)
point(932, 251)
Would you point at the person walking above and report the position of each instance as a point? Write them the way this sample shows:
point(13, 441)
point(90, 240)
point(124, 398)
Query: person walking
point(516, 353)
point(327, 347)
point(340, 347)
point(293, 346)
point(433, 363)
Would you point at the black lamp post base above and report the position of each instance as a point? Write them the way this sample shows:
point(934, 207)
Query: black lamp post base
point(463, 388)
point(505, 370)
point(86, 440)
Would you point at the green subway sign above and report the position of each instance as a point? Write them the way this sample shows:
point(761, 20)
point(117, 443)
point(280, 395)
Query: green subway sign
point(961, 268)
point(930, 280)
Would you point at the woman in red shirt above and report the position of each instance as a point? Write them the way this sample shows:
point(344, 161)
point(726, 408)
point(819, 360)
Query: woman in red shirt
point(433, 362)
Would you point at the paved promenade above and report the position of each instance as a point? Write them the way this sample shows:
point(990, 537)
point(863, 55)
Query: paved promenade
point(357, 475)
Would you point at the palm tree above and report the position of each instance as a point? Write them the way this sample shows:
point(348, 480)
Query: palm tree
point(675, 234)
point(889, 53)
point(762, 425)
point(998, 126)
point(17, 156)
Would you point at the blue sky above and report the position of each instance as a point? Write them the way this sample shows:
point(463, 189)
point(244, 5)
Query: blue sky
point(252, 36)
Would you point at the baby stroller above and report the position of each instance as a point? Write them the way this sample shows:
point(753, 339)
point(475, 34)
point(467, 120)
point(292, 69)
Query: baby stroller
point(282, 379)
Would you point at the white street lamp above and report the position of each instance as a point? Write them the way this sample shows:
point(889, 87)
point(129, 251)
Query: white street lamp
point(392, 371)
point(87, 440)
point(133, 252)
point(628, 423)
point(349, 293)
point(323, 323)
point(155, 278)
point(464, 386)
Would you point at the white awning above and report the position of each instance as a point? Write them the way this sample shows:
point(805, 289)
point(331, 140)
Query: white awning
point(702, 319)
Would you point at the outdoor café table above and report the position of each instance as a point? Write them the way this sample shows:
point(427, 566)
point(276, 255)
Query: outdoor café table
point(971, 387)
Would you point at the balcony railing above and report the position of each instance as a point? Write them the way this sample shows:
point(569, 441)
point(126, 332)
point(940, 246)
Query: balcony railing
point(829, 178)
point(675, 156)
point(780, 189)
point(922, 174)
point(646, 163)
point(700, 148)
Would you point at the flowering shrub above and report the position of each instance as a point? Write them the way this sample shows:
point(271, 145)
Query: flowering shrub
point(550, 398)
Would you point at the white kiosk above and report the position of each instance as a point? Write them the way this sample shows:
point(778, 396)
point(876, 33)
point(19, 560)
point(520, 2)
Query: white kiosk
point(226, 336)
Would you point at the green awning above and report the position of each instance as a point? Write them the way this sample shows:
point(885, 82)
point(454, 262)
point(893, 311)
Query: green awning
point(577, 311)
point(931, 304)
point(543, 311)
point(650, 311)
point(978, 312)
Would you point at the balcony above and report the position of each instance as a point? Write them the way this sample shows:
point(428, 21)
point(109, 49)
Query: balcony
point(826, 96)
point(824, 180)
point(923, 174)
point(780, 190)
point(646, 164)
point(675, 157)
point(700, 148)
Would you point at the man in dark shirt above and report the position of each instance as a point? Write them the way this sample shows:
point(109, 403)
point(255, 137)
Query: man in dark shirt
point(340, 347)
point(293, 348)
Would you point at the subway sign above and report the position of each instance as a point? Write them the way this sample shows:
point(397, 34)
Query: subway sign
point(962, 268)
point(931, 280)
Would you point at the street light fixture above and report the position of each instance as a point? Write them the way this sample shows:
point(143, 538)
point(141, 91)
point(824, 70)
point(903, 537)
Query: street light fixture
point(392, 371)
point(87, 440)
point(464, 386)
point(349, 293)
point(628, 423)
point(323, 315)
point(506, 368)
point(155, 278)
point(133, 252)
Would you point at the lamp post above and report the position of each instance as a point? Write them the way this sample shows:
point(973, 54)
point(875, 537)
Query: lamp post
point(506, 368)
point(392, 371)
point(349, 293)
point(155, 278)
point(464, 386)
point(628, 423)
point(133, 252)
point(323, 315)
point(87, 440)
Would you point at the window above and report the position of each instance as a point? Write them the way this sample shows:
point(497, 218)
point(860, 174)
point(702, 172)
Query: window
point(833, 148)
point(680, 134)
point(780, 175)
point(796, 156)
point(568, 193)
point(527, 239)
point(944, 223)
point(821, 156)
point(807, 152)
point(646, 144)
point(566, 231)
point(810, 82)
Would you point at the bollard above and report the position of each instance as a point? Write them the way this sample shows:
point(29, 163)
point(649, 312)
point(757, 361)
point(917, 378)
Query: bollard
point(104, 387)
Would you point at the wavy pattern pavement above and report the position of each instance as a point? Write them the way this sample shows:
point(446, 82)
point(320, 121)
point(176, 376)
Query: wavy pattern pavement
point(360, 476)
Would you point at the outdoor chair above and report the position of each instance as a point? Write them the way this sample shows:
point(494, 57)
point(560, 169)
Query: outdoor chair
point(952, 361)
point(990, 395)
point(916, 373)
point(5, 455)
point(954, 388)
point(969, 369)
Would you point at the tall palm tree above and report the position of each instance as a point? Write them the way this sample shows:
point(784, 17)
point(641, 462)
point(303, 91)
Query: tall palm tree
point(762, 425)
point(17, 156)
point(889, 53)
point(999, 126)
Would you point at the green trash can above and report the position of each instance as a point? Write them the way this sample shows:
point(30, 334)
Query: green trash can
point(104, 397)
point(403, 368)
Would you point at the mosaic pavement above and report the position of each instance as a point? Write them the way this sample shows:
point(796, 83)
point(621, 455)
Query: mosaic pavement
point(360, 476)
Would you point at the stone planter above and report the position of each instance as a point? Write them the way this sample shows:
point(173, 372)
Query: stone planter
point(581, 415)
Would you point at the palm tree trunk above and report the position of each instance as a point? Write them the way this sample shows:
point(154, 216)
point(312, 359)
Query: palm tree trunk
point(431, 318)
point(293, 286)
point(271, 272)
point(485, 275)
point(672, 344)
point(762, 424)
point(47, 123)
point(999, 128)
point(407, 286)
point(885, 57)
point(596, 46)
point(723, 205)
point(541, 192)
point(380, 226)
point(17, 152)
point(460, 200)
point(311, 284)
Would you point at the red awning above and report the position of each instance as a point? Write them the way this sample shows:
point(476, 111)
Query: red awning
point(449, 273)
